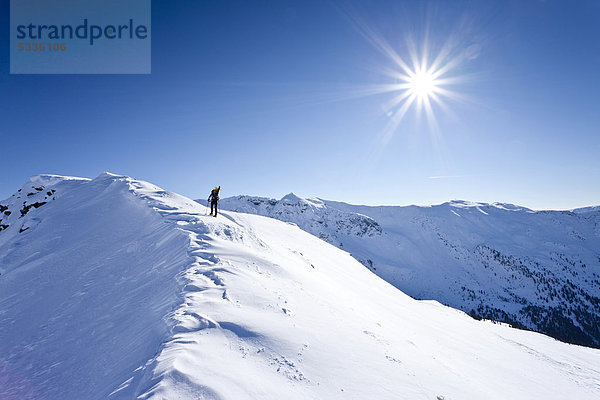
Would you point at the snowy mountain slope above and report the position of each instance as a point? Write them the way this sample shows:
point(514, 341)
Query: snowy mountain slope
point(121, 290)
point(537, 270)
point(583, 210)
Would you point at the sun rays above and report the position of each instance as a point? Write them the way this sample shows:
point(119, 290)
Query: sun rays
point(423, 76)
point(421, 85)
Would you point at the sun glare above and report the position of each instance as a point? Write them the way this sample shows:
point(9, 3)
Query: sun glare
point(423, 76)
point(422, 84)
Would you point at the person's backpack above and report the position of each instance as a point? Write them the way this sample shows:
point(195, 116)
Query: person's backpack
point(215, 194)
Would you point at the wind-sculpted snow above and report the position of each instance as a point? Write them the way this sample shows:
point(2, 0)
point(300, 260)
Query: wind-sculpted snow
point(122, 290)
point(535, 270)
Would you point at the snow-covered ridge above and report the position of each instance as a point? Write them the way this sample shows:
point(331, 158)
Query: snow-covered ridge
point(538, 270)
point(472, 204)
point(122, 290)
point(583, 210)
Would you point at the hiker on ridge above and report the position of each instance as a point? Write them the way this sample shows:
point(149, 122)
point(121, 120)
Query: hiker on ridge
point(213, 198)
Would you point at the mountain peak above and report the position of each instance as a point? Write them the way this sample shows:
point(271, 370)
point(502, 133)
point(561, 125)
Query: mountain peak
point(293, 198)
point(109, 175)
point(465, 203)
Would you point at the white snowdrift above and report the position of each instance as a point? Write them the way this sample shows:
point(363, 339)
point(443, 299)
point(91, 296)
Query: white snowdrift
point(121, 290)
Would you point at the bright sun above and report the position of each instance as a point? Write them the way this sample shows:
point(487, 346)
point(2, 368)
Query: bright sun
point(423, 78)
point(422, 84)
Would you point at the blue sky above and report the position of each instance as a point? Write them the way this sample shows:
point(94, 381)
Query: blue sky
point(254, 96)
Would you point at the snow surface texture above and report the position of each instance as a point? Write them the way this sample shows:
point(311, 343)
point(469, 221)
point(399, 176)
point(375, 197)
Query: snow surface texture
point(120, 290)
point(535, 270)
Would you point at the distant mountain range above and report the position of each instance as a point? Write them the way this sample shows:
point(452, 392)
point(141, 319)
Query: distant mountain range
point(538, 270)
